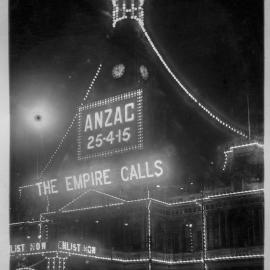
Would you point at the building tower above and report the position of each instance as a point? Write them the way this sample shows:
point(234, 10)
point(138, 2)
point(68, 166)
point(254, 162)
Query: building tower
point(127, 9)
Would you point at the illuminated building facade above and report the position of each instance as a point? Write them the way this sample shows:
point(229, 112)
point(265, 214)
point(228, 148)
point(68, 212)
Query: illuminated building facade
point(218, 229)
point(206, 223)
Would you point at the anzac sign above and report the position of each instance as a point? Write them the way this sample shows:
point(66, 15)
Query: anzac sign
point(110, 126)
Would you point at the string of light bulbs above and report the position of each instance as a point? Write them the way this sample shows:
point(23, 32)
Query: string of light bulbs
point(58, 147)
point(92, 207)
point(226, 153)
point(232, 148)
point(236, 193)
point(72, 122)
point(23, 187)
point(195, 201)
point(204, 221)
point(167, 262)
point(37, 263)
point(191, 96)
point(236, 257)
point(122, 12)
point(174, 262)
point(56, 262)
point(74, 200)
point(96, 191)
point(64, 137)
point(28, 222)
point(141, 260)
point(24, 268)
point(105, 258)
point(207, 197)
point(149, 232)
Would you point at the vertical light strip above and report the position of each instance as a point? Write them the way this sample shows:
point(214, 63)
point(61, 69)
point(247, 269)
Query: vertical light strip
point(226, 159)
point(48, 263)
point(53, 259)
point(149, 234)
point(204, 237)
point(59, 263)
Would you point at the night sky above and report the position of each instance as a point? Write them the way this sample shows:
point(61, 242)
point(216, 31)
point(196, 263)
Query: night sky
point(214, 46)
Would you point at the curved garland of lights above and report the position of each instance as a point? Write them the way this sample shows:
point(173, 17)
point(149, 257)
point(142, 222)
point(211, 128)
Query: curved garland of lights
point(215, 117)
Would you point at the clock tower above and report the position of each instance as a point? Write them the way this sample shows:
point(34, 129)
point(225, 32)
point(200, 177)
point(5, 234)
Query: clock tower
point(127, 9)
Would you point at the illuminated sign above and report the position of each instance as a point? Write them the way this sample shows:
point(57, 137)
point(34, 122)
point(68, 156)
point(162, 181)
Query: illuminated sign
point(110, 126)
point(76, 247)
point(103, 175)
point(39, 247)
point(28, 247)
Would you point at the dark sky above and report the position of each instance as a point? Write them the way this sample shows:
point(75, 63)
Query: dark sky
point(215, 46)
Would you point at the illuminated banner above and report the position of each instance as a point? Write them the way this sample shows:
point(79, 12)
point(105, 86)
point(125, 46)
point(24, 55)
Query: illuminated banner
point(110, 126)
point(106, 175)
point(28, 247)
point(40, 247)
point(78, 248)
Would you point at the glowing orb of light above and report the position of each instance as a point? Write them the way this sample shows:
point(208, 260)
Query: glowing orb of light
point(38, 117)
point(41, 116)
point(118, 71)
point(40, 112)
